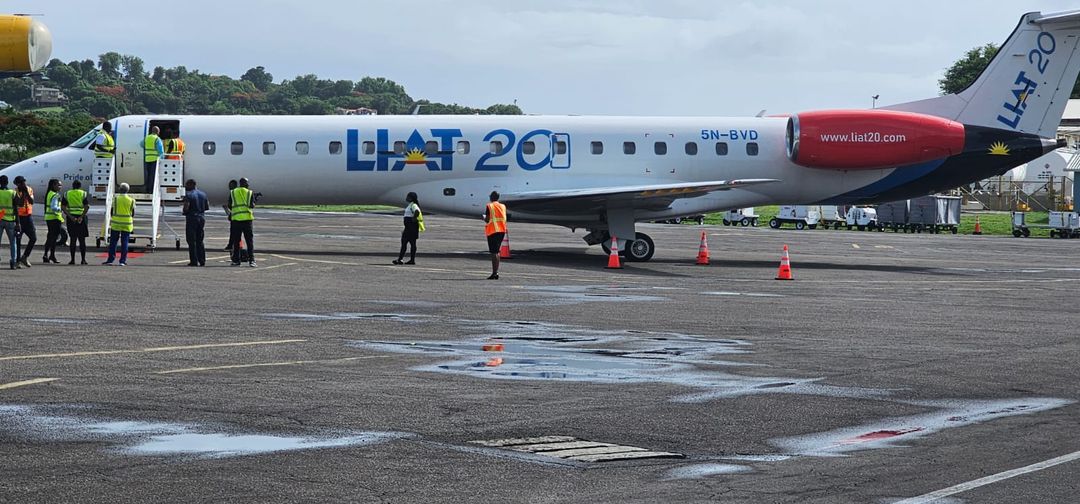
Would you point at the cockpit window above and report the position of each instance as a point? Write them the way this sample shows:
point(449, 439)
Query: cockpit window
point(85, 140)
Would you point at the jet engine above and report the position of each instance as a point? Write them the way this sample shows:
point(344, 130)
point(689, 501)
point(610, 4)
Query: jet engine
point(25, 45)
point(870, 139)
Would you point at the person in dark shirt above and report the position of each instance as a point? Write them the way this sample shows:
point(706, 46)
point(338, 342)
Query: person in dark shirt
point(195, 206)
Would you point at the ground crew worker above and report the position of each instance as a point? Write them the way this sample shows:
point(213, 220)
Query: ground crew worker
point(495, 217)
point(195, 205)
point(24, 202)
point(414, 224)
point(76, 206)
point(54, 218)
point(228, 215)
point(121, 225)
point(174, 149)
point(152, 150)
point(104, 144)
point(241, 203)
point(9, 220)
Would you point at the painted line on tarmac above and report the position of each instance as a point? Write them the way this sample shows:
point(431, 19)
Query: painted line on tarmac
point(252, 270)
point(993, 478)
point(150, 350)
point(319, 261)
point(855, 246)
point(5, 386)
point(268, 364)
point(182, 261)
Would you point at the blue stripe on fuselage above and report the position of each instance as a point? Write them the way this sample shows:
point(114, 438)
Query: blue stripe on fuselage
point(899, 177)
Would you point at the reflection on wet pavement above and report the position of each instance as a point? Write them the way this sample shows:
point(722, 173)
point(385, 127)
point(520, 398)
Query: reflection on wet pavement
point(395, 317)
point(543, 351)
point(889, 432)
point(704, 471)
point(573, 294)
point(165, 439)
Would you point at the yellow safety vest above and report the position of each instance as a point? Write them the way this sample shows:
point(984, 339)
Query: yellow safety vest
point(496, 218)
point(175, 149)
point(107, 149)
point(123, 213)
point(241, 204)
point(7, 205)
point(150, 146)
point(50, 210)
point(75, 200)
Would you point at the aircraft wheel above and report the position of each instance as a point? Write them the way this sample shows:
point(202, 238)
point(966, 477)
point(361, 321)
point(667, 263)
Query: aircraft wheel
point(642, 249)
point(774, 223)
point(677, 220)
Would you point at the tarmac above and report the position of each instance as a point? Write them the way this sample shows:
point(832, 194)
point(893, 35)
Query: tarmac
point(894, 366)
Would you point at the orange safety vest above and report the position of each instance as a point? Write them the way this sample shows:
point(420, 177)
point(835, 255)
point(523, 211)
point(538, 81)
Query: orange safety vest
point(26, 209)
point(496, 218)
point(175, 149)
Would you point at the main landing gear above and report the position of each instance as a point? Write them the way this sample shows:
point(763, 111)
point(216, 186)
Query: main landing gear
point(639, 250)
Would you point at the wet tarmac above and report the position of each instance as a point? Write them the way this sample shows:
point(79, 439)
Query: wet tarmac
point(903, 366)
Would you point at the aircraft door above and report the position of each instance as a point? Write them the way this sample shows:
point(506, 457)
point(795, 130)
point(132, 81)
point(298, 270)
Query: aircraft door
point(560, 150)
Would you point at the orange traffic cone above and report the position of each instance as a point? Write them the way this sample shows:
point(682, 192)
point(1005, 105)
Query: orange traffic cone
point(703, 251)
point(504, 250)
point(613, 257)
point(978, 227)
point(785, 267)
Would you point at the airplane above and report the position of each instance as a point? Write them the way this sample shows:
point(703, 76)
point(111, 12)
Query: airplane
point(25, 45)
point(605, 174)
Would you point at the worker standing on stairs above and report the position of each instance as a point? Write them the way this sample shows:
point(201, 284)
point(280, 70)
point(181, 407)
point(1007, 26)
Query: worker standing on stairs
point(121, 224)
point(153, 149)
point(174, 148)
point(104, 144)
point(76, 204)
point(241, 203)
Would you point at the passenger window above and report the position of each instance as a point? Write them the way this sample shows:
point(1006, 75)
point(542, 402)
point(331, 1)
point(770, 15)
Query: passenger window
point(302, 148)
point(691, 148)
point(496, 147)
point(528, 148)
point(598, 148)
point(269, 148)
point(369, 148)
point(399, 147)
point(660, 148)
point(752, 149)
point(335, 148)
point(237, 148)
point(431, 148)
point(721, 148)
point(209, 148)
point(560, 147)
point(463, 147)
point(629, 148)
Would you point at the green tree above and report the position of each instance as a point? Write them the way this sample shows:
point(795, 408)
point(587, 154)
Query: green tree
point(64, 76)
point(109, 64)
point(134, 68)
point(15, 91)
point(259, 77)
point(962, 73)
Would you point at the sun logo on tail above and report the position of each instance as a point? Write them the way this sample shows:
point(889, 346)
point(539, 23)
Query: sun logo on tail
point(999, 149)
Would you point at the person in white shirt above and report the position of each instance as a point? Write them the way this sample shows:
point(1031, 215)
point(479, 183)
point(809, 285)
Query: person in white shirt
point(414, 224)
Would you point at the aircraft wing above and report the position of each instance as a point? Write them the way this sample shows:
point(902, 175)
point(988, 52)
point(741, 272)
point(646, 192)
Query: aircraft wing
point(644, 197)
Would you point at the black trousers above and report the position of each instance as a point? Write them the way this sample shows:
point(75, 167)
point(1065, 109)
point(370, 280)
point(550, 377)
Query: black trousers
point(408, 238)
point(51, 239)
point(77, 233)
point(195, 231)
point(236, 230)
point(27, 225)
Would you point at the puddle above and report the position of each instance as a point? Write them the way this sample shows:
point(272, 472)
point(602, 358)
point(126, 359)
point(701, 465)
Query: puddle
point(394, 317)
point(168, 439)
point(556, 352)
point(704, 471)
point(573, 294)
point(891, 432)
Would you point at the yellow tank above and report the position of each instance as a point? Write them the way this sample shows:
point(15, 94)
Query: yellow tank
point(25, 45)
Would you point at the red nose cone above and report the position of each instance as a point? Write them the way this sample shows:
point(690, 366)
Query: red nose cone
point(868, 139)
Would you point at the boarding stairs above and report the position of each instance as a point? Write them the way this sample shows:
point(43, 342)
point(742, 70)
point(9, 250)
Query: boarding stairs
point(149, 224)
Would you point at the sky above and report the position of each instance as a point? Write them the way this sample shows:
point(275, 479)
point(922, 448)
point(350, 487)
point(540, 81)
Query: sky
point(607, 57)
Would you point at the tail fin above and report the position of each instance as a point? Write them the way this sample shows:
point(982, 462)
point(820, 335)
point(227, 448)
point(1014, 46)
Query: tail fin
point(1027, 84)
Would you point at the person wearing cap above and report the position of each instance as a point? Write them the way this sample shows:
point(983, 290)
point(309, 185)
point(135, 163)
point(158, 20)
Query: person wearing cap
point(24, 204)
point(9, 220)
point(121, 224)
point(104, 144)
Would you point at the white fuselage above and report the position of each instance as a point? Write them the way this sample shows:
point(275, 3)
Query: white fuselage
point(458, 161)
